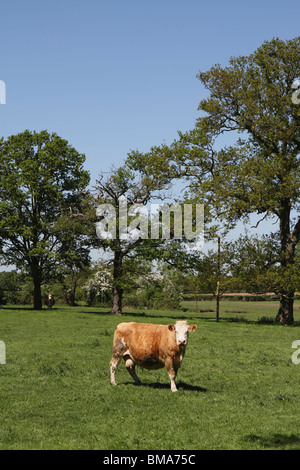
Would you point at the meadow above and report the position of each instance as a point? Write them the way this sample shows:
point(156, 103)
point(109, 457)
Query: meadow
point(237, 388)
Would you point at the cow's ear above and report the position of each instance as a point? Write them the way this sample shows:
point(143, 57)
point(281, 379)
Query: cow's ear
point(171, 327)
point(192, 327)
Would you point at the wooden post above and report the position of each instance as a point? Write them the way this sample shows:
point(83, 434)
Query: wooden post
point(218, 279)
point(218, 301)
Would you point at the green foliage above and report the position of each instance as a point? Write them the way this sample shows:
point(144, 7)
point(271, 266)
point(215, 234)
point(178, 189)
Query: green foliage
point(159, 289)
point(253, 265)
point(98, 287)
point(42, 176)
point(15, 288)
point(251, 98)
point(135, 185)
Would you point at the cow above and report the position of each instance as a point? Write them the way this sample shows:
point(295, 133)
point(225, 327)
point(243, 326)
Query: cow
point(49, 301)
point(151, 347)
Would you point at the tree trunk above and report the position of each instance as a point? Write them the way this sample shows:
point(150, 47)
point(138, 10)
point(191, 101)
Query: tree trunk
point(288, 240)
point(285, 313)
point(117, 301)
point(71, 295)
point(37, 293)
point(117, 280)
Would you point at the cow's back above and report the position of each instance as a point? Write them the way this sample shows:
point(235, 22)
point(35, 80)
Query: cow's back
point(146, 343)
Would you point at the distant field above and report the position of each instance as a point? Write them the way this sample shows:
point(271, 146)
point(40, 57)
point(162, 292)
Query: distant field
point(238, 387)
point(238, 310)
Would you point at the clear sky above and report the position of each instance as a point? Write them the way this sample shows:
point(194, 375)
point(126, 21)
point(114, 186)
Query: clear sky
point(111, 76)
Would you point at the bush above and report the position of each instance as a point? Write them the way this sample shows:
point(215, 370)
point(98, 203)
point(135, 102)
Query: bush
point(157, 290)
point(14, 288)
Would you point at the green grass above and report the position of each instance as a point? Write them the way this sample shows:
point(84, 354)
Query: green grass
point(238, 388)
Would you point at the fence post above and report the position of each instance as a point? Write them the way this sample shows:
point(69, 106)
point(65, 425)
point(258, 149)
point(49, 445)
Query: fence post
point(218, 279)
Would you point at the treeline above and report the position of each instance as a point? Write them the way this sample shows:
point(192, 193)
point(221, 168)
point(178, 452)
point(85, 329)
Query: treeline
point(246, 265)
point(52, 216)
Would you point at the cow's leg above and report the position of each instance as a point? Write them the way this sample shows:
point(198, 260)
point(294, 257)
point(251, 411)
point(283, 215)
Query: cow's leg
point(172, 371)
point(130, 366)
point(115, 361)
point(119, 349)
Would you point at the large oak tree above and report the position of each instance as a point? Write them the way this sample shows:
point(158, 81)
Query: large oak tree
point(255, 100)
point(260, 174)
point(42, 176)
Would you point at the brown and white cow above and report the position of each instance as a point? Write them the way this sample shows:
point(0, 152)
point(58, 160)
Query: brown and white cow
point(151, 347)
point(49, 301)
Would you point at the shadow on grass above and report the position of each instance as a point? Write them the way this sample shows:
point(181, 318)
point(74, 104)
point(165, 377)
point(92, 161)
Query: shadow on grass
point(186, 315)
point(163, 314)
point(27, 308)
point(192, 316)
point(260, 321)
point(180, 385)
point(275, 440)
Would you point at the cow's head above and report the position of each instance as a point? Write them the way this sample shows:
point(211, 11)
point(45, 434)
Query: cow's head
point(182, 330)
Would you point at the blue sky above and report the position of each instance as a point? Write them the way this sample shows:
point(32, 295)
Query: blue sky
point(111, 76)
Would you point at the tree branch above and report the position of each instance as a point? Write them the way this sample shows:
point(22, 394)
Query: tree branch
point(296, 232)
point(264, 217)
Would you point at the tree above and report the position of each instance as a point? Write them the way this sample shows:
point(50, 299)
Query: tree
point(158, 288)
point(12, 287)
point(261, 173)
point(76, 235)
point(253, 99)
point(254, 265)
point(41, 177)
point(125, 190)
point(99, 285)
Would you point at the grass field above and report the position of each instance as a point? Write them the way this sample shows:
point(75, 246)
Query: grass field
point(238, 387)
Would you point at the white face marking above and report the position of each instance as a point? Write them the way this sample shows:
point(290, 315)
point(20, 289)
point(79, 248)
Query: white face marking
point(181, 332)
